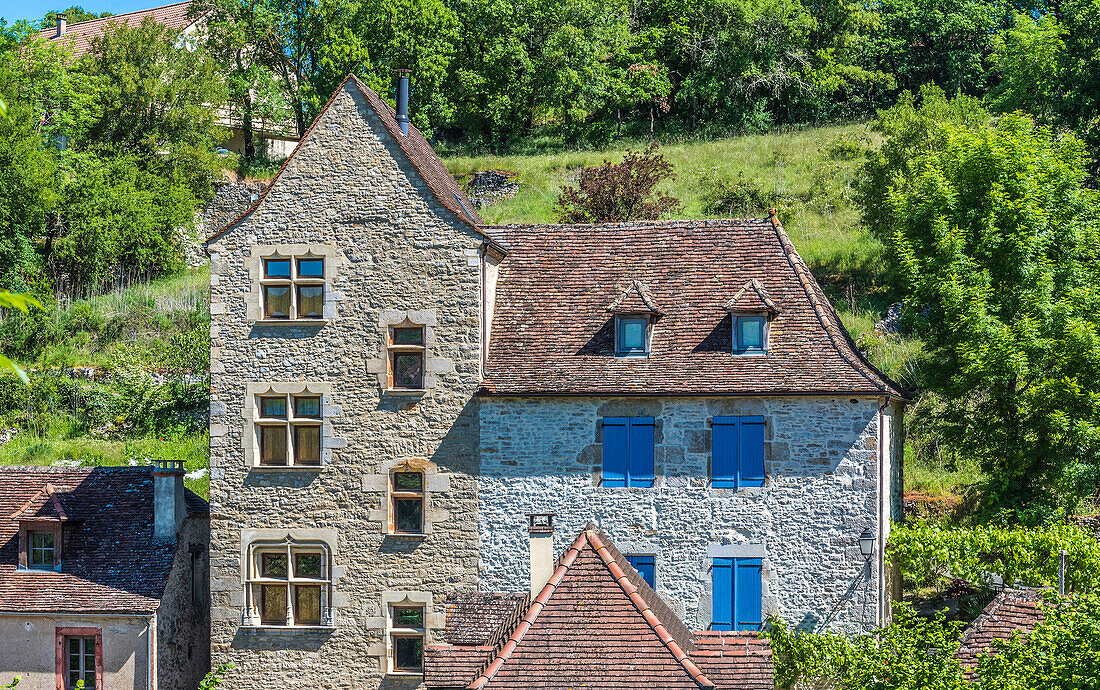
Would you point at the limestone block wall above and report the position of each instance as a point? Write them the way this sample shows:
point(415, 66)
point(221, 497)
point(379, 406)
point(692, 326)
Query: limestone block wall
point(821, 490)
point(349, 188)
point(183, 625)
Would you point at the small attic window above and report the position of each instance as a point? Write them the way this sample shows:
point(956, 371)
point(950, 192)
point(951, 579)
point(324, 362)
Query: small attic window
point(634, 311)
point(751, 312)
point(751, 334)
point(632, 335)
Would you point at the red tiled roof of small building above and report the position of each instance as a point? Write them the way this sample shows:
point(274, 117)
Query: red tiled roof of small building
point(416, 149)
point(45, 504)
point(483, 618)
point(597, 624)
point(552, 334)
point(110, 562)
point(1011, 611)
point(80, 34)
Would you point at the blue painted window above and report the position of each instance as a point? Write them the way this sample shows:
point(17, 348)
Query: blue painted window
point(736, 594)
point(646, 567)
point(749, 334)
point(737, 452)
point(632, 335)
point(628, 451)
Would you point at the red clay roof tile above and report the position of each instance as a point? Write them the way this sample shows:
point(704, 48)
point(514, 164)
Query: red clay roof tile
point(1011, 611)
point(80, 34)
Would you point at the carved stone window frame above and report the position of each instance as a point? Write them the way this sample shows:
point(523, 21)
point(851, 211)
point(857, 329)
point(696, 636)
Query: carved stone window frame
point(254, 299)
point(255, 542)
point(382, 483)
point(382, 365)
point(250, 412)
point(396, 600)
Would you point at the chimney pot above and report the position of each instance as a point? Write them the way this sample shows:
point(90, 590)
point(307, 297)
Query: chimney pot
point(62, 21)
point(403, 99)
point(540, 530)
point(169, 508)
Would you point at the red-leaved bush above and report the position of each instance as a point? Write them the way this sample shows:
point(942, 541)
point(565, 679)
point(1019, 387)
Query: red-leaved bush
point(615, 192)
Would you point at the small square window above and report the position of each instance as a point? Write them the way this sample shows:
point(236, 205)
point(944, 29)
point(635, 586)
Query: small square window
point(311, 301)
point(632, 335)
point(408, 336)
point(750, 333)
point(409, 515)
point(307, 565)
point(277, 268)
point(311, 268)
point(277, 301)
point(273, 408)
point(408, 654)
point(42, 550)
point(309, 407)
point(408, 617)
point(408, 481)
point(408, 370)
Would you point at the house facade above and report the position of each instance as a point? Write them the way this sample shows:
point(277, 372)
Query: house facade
point(103, 579)
point(396, 386)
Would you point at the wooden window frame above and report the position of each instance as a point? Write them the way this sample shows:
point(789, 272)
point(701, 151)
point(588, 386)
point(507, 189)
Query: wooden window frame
point(395, 632)
point(647, 328)
point(395, 350)
point(293, 283)
point(256, 581)
point(399, 494)
point(62, 654)
point(29, 527)
point(765, 322)
point(291, 423)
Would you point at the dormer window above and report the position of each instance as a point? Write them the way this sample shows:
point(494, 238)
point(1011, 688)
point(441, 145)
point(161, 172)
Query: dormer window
point(41, 524)
point(635, 312)
point(751, 312)
point(42, 550)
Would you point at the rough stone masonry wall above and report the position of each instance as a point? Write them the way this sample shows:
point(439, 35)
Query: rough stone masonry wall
point(543, 455)
point(183, 628)
point(350, 186)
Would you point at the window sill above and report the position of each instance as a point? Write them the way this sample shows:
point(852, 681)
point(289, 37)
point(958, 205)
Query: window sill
point(750, 353)
point(632, 355)
point(292, 322)
point(289, 468)
point(26, 569)
point(407, 674)
point(408, 535)
point(405, 391)
point(290, 628)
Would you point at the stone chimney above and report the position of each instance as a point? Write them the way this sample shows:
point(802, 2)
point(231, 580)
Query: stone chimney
point(62, 20)
point(168, 506)
point(403, 99)
point(540, 530)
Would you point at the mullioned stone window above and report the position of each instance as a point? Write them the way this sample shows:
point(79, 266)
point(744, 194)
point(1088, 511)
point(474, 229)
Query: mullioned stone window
point(292, 284)
point(288, 425)
point(289, 579)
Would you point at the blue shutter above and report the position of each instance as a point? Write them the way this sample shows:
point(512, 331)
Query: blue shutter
point(752, 452)
point(615, 445)
point(747, 594)
point(645, 567)
point(723, 452)
point(722, 589)
point(640, 464)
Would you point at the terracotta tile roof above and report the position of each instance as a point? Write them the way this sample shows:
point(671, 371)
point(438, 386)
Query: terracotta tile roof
point(597, 624)
point(483, 618)
point(79, 35)
point(635, 298)
point(551, 333)
point(1010, 611)
point(741, 660)
point(753, 297)
point(110, 564)
point(415, 147)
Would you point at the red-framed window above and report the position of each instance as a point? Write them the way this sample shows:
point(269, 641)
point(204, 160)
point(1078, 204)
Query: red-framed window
point(79, 656)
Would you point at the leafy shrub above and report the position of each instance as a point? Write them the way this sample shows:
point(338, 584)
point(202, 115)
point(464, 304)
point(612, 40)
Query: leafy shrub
point(741, 197)
point(929, 555)
point(617, 192)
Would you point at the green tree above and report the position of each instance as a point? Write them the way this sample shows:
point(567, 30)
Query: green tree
point(996, 237)
point(74, 14)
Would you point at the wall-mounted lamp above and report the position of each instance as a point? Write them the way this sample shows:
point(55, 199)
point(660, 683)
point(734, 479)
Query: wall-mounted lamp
point(867, 543)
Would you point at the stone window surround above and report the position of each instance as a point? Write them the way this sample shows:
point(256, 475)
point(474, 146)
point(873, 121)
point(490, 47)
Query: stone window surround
point(326, 538)
point(253, 299)
point(382, 483)
point(62, 653)
point(382, 624)
point(250, 413)
point(428, 319)
point(743, 550)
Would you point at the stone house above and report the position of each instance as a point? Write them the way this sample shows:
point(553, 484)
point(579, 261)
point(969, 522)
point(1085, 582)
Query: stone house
point(272, 138)
point(396, 386)
point(103, 578)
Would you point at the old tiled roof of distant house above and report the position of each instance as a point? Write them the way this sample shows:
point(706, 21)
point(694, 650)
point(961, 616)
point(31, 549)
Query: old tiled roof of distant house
point(80, 34)
point(1012, 610)
point(110, 561)
point(552, 333)
point(597, 624)
point(416, 149)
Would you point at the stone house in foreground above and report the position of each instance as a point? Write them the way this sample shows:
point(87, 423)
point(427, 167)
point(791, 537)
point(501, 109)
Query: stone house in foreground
point(103, 578)
point(396, 386)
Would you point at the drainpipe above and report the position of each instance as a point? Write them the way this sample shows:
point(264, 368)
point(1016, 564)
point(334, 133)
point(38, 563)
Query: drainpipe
point(403, 99)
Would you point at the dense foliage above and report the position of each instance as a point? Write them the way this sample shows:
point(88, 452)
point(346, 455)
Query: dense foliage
point(929, 555)
point(619, 192)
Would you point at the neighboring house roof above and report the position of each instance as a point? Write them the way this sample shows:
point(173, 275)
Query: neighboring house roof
point(552, 333)
point(110, 561)
point(79, 35)
point(597, 624)
point(416, 149)
point(1011, 611)
point(483, 618)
